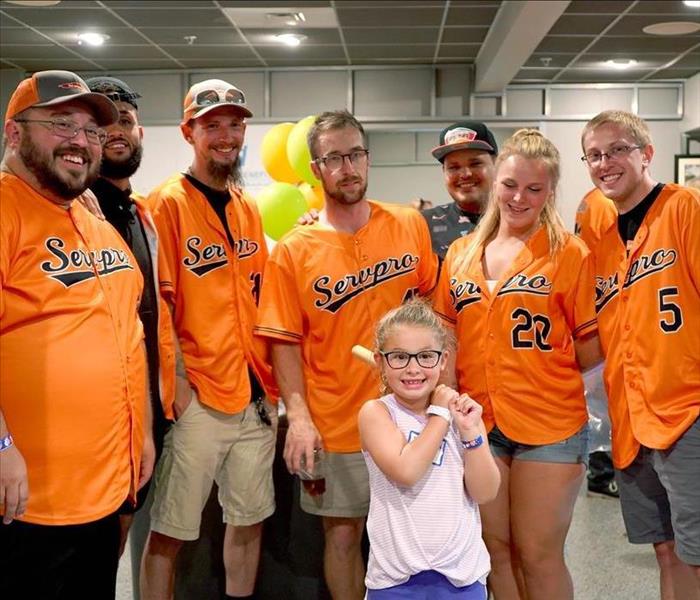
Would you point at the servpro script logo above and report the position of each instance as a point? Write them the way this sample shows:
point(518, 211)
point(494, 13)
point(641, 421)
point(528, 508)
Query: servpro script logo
point(644, 266)
point(334, 294)
point(464, 293)
point(204, 258)
point(75, 266)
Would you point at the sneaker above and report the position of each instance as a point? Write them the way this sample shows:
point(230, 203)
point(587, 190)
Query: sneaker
point(607, 489)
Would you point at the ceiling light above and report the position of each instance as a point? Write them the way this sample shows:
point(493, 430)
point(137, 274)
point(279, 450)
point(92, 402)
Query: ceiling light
point(672, 28)
point(288, 18)
point(692, 3)
point(92, 39)
point(621, 63)
point(290, 39)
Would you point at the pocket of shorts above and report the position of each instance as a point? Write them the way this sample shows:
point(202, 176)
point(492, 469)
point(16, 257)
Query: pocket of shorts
point(188, 410)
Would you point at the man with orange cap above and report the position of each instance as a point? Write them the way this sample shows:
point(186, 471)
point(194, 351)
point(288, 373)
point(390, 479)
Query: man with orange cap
point(211, 265)
point(75, 437)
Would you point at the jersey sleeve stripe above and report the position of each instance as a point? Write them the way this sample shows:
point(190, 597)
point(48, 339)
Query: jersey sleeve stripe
point(276, 333)
point(586, 327)
point(444, 317)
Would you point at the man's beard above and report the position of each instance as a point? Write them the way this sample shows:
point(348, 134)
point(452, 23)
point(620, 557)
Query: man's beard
point(226, 173)
point(38, 162)
point(344, 198)
point(113, 169)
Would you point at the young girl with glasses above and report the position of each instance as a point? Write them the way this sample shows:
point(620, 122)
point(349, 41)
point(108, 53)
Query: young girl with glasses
point(429, 466)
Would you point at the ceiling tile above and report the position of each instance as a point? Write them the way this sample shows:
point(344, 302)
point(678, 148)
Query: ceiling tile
point(12, 52)
point(581, 24)
point(612, 7)
point(300, 52)
point(675, 74)
point(689, 61)
point(600, 75)
point(397, 18)
point(302, 62)
point(634, 24)
point(209, 17)
point(644, 61)
point(21, 35)
point(569, 43)
point(536, 74)
point(556, 60)
point(132, 63)
point(396, 4)
point(644, 44)
point(384, 35)
point(467, 51)
point(159, 4)
point(210, 51)
point(74, 4)
point(220, 63)
point(43, 64)
point(98, 53)
point(274, 3)
point(392, 52)
point(665, 7)
point(464, 35)
point(493, 3)
point(208, 35)
point(471, 15)
point(55, 16)
point(315, 36)
point(117, 35)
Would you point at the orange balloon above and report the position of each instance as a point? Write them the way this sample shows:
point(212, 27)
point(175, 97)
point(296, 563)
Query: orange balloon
point(273, 152)
point(314, 195)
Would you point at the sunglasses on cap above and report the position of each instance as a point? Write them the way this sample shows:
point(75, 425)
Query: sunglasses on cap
point(212, 96)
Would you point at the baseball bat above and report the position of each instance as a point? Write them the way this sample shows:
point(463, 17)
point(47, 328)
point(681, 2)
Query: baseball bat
point(364, 354)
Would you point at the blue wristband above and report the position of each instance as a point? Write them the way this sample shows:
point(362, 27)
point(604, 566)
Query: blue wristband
point(6, 442)
point(471, 444)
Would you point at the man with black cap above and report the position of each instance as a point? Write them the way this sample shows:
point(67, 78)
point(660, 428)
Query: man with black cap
point(75, 427)
point(211, 265)
point(467, 150)
point(127, 212)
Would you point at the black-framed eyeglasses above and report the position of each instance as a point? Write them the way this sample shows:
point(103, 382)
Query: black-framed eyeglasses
point(67, 129)
point(212, 96)
point(335, 161)
point(594, 158)
point(398, 359)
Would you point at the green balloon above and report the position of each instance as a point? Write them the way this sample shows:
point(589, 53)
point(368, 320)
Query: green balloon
point(298, 153)
point(280, 205)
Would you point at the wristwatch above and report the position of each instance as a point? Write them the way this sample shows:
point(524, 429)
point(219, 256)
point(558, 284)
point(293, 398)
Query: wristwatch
point(440, 411)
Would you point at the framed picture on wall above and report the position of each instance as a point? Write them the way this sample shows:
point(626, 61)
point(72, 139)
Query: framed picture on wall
point(687, 170)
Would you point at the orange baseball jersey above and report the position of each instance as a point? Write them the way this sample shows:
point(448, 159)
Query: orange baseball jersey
point(515, 352)
point(214, 289)
point(648, 303)
point(326, 290)
point(72, 366)
point(595, 214)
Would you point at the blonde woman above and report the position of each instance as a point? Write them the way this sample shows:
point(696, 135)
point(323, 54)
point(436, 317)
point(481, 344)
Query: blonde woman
point(520, 293)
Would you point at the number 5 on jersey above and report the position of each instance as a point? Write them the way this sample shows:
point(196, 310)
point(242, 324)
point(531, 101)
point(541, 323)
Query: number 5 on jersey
point(671, 316)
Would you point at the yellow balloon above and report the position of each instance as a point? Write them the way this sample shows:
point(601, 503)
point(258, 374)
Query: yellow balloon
point(298, 151)
point(314, 195)
point(273, 153)
point(280, 205)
